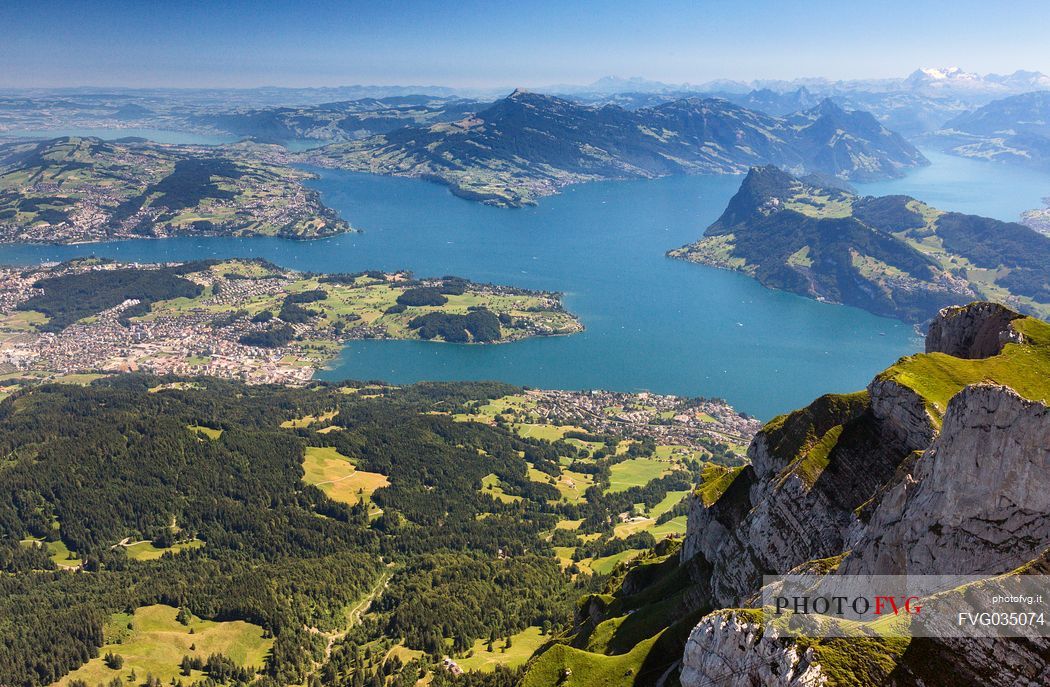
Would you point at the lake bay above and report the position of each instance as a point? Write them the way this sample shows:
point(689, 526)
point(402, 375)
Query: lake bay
point(652, 323)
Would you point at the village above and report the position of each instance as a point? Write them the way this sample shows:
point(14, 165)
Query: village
point(666, 419)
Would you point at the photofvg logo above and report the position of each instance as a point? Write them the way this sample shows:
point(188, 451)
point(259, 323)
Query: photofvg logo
point(858, 606)
point(916, 605)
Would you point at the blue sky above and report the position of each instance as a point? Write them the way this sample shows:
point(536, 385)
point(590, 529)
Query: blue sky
point(486, 44)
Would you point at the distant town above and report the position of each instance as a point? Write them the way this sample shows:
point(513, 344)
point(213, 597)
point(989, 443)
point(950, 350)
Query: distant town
point(237, 319)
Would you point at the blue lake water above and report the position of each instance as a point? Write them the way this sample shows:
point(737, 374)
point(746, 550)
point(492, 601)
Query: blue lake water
point(652, 323)
point(973, 186)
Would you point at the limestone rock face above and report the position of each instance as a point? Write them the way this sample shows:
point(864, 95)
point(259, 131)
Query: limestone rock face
point(725, 649)
point(867, 484)
point(977, 330)
point(987, 662)
point(978, 499)
point(809, 472)
point(903, 414)
point(793, 526)
point(710, 527)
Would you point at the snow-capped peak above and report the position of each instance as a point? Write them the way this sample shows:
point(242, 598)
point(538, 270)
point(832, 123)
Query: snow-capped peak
point(946, 73)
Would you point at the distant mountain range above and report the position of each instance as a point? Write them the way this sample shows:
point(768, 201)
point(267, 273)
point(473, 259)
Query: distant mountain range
point(1014, 129)
point(339, 121)
point(930, 80)
point(528, 145)
point(893, 256)
point(912, 105)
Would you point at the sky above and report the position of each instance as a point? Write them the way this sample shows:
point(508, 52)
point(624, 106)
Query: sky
point(471, 44)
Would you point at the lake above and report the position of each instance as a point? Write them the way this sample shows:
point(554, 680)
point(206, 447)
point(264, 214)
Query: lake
point(652, 323)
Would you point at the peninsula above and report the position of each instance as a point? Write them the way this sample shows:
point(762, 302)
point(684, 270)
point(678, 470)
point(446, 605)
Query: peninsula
point(241, 319)
point(894, 256)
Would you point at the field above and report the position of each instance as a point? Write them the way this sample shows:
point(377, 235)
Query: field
point(209, 432)
point(571, 485)
point(308, 420)
point(155, 643)
point(490, 485)
point(522, 646)
point(648, 524)
point(636, 472)
point(337, 477)
point(605, 565)
point(548, 432)
point(146, 551)
point(59, 552)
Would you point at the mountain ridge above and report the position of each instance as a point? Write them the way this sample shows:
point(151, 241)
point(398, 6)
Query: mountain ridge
point(529, 145)
point(1013, 130)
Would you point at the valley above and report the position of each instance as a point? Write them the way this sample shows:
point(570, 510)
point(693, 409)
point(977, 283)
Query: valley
point(598, 489)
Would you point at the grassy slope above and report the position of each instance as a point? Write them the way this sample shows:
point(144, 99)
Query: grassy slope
point(156, 643)
point(1025, 368)
point(337, 477)
point(523, 645)
point(636, 636)
point(564, 665)
point(635, 472)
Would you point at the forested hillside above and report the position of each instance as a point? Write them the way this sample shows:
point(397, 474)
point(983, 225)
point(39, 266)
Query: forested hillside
point(338, 532)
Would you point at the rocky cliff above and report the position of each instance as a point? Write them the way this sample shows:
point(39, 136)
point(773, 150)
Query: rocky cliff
point(979, 330)
point(977, 502)
point(731, 649)
point(941, 466)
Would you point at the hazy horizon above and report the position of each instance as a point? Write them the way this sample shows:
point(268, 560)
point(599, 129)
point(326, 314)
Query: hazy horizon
point(476, 45)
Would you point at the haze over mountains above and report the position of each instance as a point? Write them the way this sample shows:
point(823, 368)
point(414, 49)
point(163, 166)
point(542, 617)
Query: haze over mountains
point(927, 79)
point(1014, 130)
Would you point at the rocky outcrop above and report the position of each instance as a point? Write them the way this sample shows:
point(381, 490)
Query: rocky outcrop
point(871, 484)
point(810, 471)
point(978, 499)
point(977, 330)
point(726, 648)
point(711, 526)
point(902, 414)
point(986, 662)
